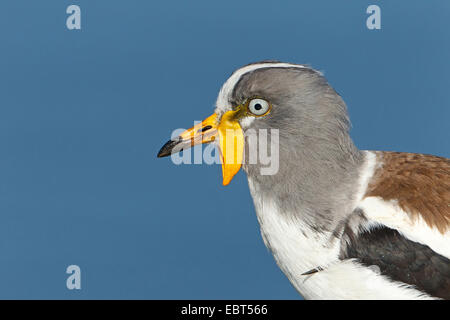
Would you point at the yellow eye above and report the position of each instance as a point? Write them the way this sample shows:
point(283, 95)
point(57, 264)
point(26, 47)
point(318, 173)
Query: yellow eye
point(258, 107)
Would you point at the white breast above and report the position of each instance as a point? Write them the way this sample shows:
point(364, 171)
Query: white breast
point(297, 249)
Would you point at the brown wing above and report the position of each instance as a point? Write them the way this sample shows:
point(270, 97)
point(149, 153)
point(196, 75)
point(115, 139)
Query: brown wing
point(419, 183)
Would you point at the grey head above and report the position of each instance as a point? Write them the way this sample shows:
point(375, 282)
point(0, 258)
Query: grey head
point(318, 162)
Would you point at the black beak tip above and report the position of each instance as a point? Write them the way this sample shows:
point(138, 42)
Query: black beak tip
point(162, 154)
point(167, 148)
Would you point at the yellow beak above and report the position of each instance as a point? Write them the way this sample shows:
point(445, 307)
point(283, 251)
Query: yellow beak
point(230, 141)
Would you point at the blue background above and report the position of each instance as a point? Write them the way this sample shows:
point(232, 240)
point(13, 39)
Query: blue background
point(83, 114)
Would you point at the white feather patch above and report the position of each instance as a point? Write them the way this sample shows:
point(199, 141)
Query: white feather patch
point(391, 215)
point(366, 174)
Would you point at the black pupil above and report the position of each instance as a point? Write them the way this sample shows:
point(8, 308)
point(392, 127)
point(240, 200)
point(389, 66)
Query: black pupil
point(258, 106)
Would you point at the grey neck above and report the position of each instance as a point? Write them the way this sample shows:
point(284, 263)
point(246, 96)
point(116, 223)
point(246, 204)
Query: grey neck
point(316, 182)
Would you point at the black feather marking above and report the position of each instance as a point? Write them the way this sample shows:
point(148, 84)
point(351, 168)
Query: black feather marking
point(401, 259)
point(312, 271)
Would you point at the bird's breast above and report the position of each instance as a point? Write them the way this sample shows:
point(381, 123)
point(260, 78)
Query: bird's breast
point(296, 247)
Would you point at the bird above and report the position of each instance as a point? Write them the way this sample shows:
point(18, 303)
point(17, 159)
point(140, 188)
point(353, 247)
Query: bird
point(341, 223)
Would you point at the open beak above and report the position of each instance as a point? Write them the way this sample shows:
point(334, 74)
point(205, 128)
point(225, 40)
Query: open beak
point(230, 138)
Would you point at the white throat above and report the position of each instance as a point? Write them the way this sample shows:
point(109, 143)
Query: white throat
point(297, 248)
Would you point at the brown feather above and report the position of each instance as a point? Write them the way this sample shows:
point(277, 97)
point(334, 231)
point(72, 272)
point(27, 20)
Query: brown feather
point(419, 183)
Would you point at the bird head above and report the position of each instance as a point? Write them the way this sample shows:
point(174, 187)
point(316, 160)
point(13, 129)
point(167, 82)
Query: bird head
point(293, 99)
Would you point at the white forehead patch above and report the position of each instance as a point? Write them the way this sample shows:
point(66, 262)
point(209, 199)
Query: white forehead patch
point(222, 103)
